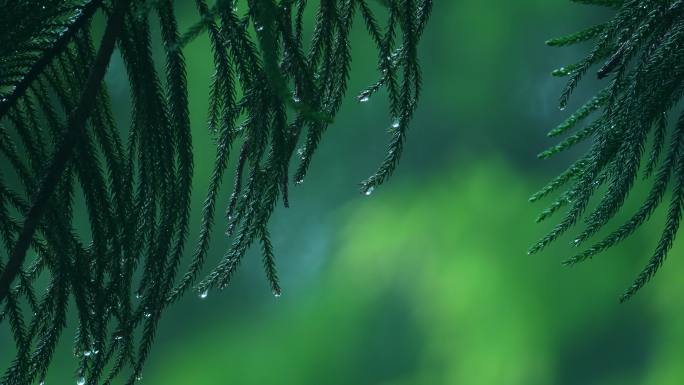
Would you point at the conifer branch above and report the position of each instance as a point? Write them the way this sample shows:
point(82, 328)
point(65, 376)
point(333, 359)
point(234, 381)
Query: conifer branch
point(269, 97)
point(640, 50)
point(66, 36)
point(75, 128)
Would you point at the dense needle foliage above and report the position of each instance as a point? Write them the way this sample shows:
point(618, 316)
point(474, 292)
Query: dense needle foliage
point(640, 53)
point(273, 94)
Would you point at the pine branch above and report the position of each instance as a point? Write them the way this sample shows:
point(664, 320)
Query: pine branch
point(66, 36)
point(75, 128)
point(58, 135)
point(640, 49)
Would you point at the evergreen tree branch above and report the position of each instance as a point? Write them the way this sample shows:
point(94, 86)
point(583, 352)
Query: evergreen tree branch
point(640, 50)
point(75, 128)
point(268, 96)
point(84, 15)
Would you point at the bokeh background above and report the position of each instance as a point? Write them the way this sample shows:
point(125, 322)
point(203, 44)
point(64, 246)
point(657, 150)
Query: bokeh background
point(427, 281)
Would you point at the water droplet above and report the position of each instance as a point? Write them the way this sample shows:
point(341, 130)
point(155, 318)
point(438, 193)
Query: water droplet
point(364, 98)
point(396, 123)
point(81, 381)
point(204, 294)
point(138, 377)
point(259, 28)
point(87, 353)
point(277, 293)
point(299, 181)
point(369, 191)
point(147, 315)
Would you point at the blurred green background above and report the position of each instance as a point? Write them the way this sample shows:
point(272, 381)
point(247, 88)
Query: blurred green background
point(427, 281)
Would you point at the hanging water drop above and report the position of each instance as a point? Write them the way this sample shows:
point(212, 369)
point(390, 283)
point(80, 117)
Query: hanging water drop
point(81, 381)
point(396, 123)
point(277, 293)
point(369, 191)
point(204, 294)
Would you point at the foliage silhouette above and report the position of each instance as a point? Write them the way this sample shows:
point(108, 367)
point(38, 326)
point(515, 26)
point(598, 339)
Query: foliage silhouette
point(272, 90)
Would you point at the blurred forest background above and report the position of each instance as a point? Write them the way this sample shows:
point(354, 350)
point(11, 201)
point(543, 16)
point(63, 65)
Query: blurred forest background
point(427, 281)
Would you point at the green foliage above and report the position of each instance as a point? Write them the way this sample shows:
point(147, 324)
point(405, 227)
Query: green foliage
point(640, 51)
point(270, 92)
